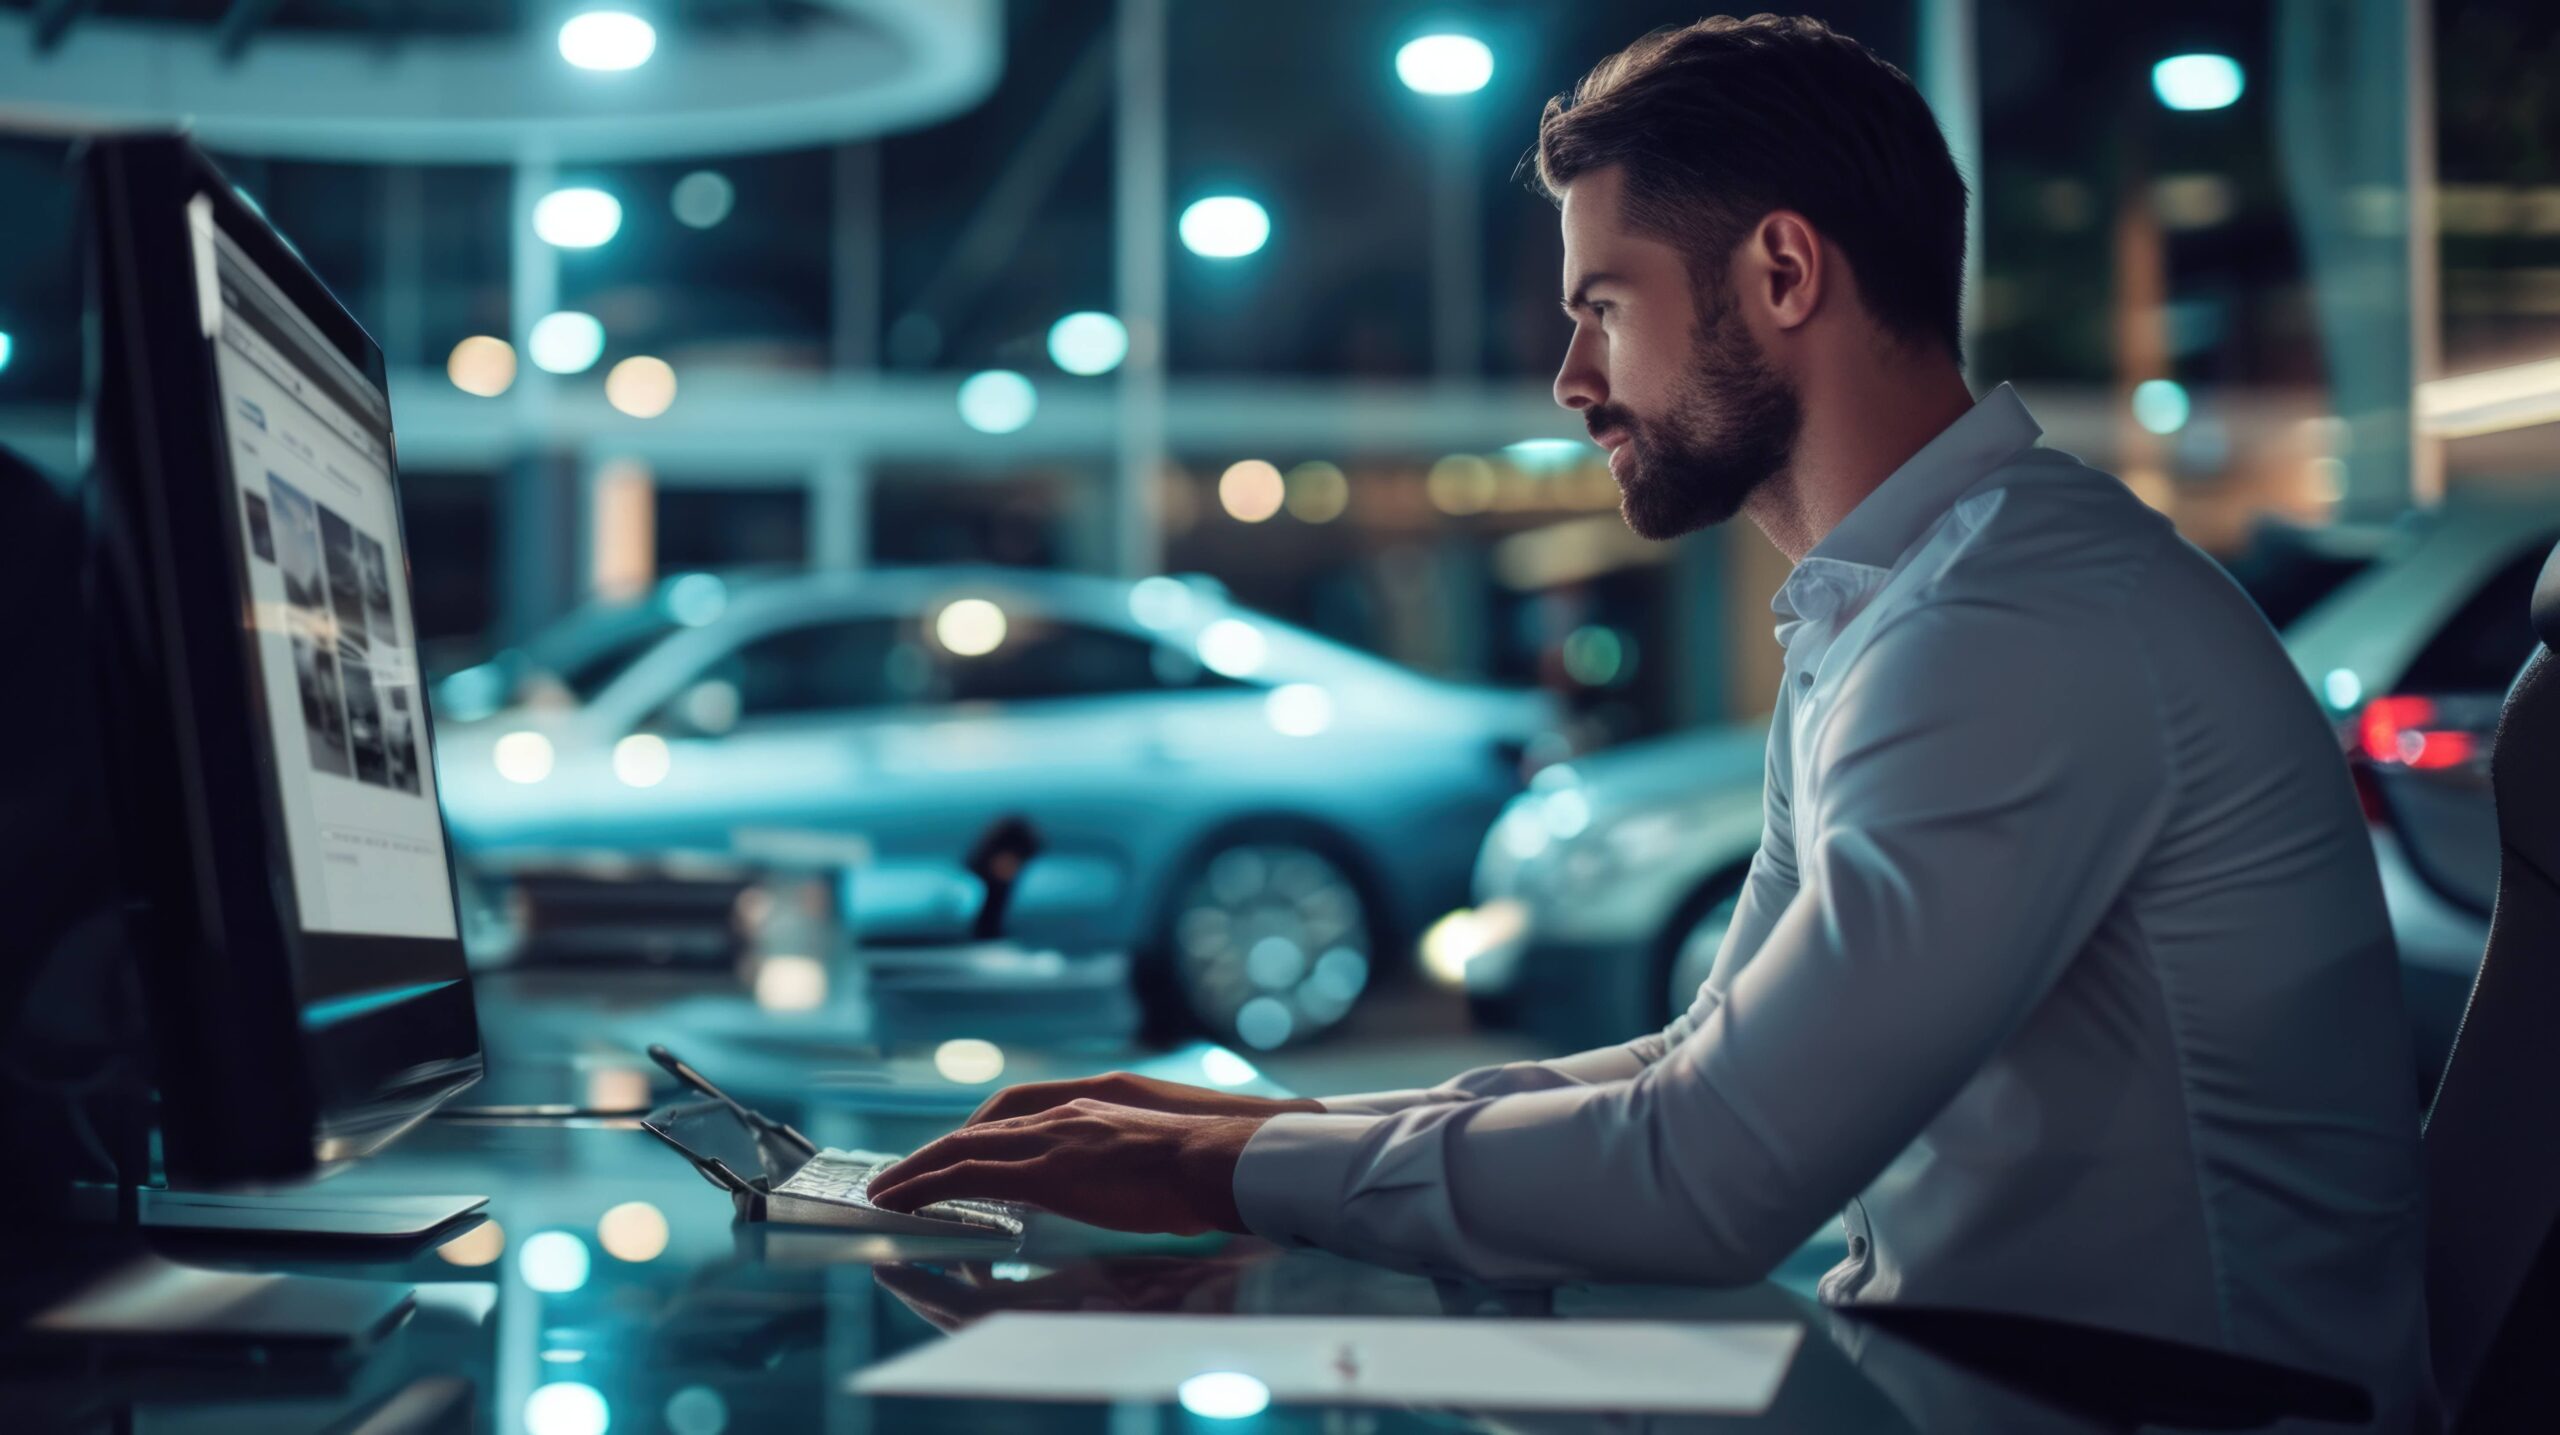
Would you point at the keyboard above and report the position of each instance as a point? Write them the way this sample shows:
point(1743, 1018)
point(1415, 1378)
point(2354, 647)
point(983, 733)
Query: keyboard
point(834, 1189)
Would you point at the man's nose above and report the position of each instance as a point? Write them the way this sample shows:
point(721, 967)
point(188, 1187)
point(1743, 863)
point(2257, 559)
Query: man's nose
point(1579, 384)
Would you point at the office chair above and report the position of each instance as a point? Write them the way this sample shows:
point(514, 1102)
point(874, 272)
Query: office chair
point(2492, 1143)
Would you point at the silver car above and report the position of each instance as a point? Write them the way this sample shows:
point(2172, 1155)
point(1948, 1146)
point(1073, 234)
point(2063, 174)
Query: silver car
point(1603, 893)
point(1257, 814)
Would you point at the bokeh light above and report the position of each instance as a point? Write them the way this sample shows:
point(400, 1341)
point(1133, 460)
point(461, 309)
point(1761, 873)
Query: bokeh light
point(1445, 64)
point(970, 628)
point(566, 1407)
point(1595, 656)
point(554, 1262)
point(1461, 484)
point(2343, 688)
point(1318, 492)
point(788, 981)
point(697, 599)
point(634, 1231)
point(702, 199)
point(997, 401)
point(642, 386)
point(2161, 405)
point(697, 1410)
point(642, 759)
point(1232, 647)
point(482, 365)
point(1265, 1023)
point(1544, 455)
point(968, 1061)
point(1224, 1395)
point(607, 40)
point(478, 1246)
point(1224, 226)
point(522, 757)
point(566, 342)
point(578, 218)
point(1159, 602)
point(1298, 709)
point(1251, 491)
point(2198, 82)
point(1088, 343)
point(1224, 1068)
point(8, 349)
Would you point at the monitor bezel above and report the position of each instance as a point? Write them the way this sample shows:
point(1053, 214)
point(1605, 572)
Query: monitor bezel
point(268, 1096)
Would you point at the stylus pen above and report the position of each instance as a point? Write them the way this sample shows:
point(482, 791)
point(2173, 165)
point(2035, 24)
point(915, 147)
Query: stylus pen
point(713, 1169)
point(683, 1071)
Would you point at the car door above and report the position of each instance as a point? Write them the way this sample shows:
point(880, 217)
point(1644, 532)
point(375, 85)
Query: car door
point(1065, 722)
point(775, 733)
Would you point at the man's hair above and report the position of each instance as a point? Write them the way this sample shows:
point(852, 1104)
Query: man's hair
point(1718, 123)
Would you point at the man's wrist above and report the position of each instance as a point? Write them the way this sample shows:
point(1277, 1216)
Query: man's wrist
point(1210, 1159)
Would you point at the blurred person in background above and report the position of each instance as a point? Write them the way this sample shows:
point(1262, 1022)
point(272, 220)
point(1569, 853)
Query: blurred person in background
point(2062, 975)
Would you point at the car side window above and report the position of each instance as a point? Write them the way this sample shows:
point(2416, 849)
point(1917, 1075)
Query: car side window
point(1064, 660)
point(850, 665)
point(2481, 647)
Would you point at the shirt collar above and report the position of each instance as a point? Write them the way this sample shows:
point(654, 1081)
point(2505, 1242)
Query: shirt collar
point(1858, 551)
point(1912, 497)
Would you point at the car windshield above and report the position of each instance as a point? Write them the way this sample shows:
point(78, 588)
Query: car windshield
point(2286, 571)
point(587, 666)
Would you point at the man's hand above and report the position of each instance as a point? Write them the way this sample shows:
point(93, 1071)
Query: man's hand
point(1120, 1088)
point(1090, 1161)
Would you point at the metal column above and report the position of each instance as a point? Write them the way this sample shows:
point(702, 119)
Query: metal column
point(1950, 79)
point(538, 523)
point(1139, 224)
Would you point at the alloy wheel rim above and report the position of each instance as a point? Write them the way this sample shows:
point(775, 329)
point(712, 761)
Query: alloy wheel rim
point(1271, 942)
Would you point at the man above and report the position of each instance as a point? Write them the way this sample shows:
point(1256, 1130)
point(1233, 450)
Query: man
point(2062, 974)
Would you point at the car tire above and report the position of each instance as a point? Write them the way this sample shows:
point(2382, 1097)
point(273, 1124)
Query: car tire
point(1268, 940)
point(1690, 945)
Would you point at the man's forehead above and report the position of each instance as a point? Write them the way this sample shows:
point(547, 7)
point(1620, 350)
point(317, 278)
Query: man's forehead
point(1597, 238)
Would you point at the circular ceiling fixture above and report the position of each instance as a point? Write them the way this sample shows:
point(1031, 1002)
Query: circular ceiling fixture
point(812, 72)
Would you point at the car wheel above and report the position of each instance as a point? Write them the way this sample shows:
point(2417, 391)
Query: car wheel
point(1693, 952)
point(1269, 943)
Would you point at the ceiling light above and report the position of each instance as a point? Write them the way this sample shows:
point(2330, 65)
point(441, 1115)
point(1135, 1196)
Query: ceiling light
point(608, 40)
point(578, 218)
point(1445, 65)
point(1225, 226)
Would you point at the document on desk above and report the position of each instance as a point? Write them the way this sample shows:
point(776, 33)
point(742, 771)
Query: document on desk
point(1729, 1368)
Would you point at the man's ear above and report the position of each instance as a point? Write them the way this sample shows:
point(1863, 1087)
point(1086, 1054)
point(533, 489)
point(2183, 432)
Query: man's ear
point(1782, 264)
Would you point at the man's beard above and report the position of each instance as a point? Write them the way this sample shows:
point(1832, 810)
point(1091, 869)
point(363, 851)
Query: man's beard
point(1731, 428)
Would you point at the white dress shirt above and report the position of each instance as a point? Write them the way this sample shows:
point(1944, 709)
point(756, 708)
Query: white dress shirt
point(2062, 975)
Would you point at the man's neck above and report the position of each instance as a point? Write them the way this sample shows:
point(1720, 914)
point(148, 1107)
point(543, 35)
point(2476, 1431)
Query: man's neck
point(1858, 428)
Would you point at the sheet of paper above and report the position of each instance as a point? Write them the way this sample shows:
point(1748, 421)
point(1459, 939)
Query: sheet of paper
point(1719, 1369)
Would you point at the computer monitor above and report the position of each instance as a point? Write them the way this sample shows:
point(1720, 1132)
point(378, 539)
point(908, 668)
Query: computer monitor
point(275, 785)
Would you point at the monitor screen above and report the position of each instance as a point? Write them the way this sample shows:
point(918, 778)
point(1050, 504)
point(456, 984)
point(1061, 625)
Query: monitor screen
point(337, 649)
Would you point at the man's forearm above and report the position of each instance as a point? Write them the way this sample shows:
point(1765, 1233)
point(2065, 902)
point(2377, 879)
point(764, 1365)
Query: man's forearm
point(1584, 1068)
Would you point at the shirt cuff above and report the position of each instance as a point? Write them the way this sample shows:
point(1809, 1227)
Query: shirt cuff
point(1383, 1103)
point(1290, 1181)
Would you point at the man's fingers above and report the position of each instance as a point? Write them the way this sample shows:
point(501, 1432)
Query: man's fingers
point(983, 1180)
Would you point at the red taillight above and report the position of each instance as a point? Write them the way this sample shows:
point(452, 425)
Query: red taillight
point(2400, 731)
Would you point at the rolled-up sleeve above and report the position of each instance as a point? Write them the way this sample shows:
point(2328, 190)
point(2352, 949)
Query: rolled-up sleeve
point(1986, 781)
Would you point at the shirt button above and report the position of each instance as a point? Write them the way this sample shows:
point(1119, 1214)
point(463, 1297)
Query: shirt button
point(1857, 1248)
point(1805, 678)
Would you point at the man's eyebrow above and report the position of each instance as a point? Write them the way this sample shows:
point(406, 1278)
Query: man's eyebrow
point(1583, 292)
point(1580, 298)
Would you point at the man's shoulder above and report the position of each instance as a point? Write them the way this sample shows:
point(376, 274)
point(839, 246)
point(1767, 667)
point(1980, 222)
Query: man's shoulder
point(2043, 539)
